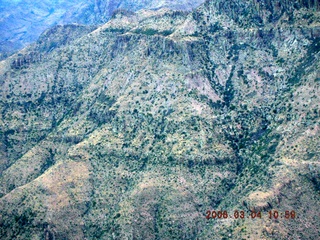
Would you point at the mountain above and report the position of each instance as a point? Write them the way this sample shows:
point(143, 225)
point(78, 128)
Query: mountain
point(21, 22)
point(135, 129)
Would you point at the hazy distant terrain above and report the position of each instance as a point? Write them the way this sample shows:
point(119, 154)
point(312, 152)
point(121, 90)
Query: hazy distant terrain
point(135, 128)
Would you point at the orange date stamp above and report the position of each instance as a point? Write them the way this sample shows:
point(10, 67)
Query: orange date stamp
point(239, 214)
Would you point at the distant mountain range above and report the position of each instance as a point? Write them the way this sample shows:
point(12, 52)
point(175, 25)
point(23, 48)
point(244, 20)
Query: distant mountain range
point(21, 22)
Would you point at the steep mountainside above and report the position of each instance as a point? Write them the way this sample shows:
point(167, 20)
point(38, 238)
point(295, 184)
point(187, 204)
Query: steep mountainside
point(21, 22)
point(135, 129)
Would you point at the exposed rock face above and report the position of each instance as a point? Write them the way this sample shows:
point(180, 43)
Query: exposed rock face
point(137, 128)
point(22, 22)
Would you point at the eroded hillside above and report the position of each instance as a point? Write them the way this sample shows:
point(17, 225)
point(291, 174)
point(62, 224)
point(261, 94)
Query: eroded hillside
point(137, 128)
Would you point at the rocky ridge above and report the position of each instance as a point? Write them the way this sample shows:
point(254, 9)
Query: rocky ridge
point(22, 22)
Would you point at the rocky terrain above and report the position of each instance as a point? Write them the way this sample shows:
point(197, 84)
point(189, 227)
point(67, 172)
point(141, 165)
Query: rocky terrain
point(135, 129)
point(22, 21)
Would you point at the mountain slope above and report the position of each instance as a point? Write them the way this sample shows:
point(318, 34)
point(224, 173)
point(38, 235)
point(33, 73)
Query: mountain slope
point(136, 129)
